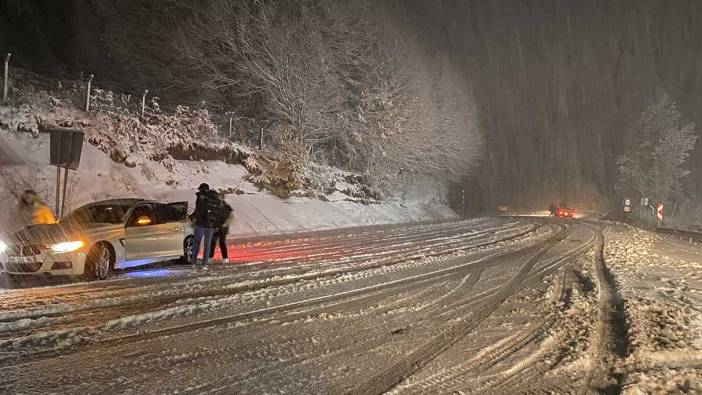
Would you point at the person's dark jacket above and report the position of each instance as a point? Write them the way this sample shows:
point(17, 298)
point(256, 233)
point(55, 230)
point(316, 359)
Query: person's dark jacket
point(225, 215)
point(207, 209)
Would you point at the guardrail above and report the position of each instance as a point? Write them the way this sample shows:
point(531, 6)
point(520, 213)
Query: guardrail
point(690, 235)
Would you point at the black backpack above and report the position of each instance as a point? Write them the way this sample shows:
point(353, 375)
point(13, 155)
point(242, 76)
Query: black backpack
point(212, 209)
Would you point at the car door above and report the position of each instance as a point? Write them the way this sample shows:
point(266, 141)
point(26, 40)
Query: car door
point(171, 219)
point(142, 233)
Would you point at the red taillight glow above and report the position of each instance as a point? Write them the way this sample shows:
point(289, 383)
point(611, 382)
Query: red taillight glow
point(274, 251)
point(565, 212)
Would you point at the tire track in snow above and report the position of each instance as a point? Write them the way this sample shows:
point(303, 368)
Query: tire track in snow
point(405, 367)
point(239, 317)
point(455, 378)
point(322, 307)
point(110, 309)
point(611, 341)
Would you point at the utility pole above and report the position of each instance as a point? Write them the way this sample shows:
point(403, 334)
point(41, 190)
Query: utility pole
point(7, 69)
point(230, 125)
point(143, 103)
point(87, 93)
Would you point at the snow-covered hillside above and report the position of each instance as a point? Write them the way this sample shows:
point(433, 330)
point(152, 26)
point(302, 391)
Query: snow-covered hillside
point(127, 156)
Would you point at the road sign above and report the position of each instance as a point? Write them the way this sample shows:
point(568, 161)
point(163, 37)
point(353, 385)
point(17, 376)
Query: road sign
point(644, 201)
point(65, 146)
point(627, 205)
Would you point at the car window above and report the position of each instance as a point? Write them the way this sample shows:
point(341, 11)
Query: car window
point(142, 210)
point(102, 213)
point(174, 212)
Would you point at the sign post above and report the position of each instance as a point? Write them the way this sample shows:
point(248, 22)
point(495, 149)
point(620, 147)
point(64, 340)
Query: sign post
point(65, 150)
point(659, 214)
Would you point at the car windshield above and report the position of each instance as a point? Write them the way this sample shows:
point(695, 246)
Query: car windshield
point(103, 214)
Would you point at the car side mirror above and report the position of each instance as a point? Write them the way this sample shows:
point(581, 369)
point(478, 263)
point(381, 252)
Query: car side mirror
point(143, 220)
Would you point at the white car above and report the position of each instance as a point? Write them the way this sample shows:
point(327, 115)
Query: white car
point(99, 237)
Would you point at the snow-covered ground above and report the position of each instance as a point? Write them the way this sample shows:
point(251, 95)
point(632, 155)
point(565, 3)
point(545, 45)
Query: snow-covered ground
point(489, 305)
point(321, 314)
point(659, 279)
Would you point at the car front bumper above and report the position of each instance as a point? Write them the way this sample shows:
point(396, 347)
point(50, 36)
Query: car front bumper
point(66, 264)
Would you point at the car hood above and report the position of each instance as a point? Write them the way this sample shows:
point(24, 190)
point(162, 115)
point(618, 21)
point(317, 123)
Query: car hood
point(55, 233)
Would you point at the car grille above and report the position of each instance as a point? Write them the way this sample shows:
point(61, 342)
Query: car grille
point(24, 250)
point(27, 267)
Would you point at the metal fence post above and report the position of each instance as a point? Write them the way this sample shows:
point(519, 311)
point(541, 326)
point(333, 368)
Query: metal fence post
point(7, 69)
point(87, 93)
point(143, 102)
point(463, 203)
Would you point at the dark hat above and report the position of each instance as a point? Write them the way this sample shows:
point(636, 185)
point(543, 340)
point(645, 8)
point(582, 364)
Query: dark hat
point(203, 187)
point(30, 192)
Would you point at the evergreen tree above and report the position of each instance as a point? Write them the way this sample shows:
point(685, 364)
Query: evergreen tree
point(658, 148)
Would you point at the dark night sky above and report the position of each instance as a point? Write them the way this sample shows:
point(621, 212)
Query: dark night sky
point(556, 82)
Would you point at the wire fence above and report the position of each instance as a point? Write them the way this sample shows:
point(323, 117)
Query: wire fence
point(73, 86)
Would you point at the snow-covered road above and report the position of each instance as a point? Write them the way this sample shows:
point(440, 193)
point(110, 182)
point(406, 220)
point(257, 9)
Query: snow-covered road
point(490, 303)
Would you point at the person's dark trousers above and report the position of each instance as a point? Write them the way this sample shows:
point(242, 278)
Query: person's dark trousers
point(200, 233)
point(220, 236)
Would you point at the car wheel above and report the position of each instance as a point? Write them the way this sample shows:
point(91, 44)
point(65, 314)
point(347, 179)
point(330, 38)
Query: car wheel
point(186, 259)
point(98, 262)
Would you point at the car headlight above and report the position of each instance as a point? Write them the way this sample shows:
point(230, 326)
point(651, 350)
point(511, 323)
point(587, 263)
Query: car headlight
point(66, 246)
point(3, 246)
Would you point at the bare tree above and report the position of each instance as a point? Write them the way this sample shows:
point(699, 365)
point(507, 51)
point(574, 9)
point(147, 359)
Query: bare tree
point(333, 76)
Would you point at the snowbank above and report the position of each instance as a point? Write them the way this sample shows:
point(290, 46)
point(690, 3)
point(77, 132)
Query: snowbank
point(257, 211)
point(660, 296)
point(257, 215)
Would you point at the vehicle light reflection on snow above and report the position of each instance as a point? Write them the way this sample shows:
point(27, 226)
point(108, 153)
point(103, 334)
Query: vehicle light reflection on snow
point(546, 213)
point(155, 272)
point(288, 250)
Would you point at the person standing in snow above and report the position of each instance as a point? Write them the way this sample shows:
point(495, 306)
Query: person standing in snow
point(552, 210)
point(220, 235)
point(33, 211)
point(204, 219)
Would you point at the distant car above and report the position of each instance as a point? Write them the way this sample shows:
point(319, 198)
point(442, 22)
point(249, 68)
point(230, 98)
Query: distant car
point(99, 237)
point(564, 212)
